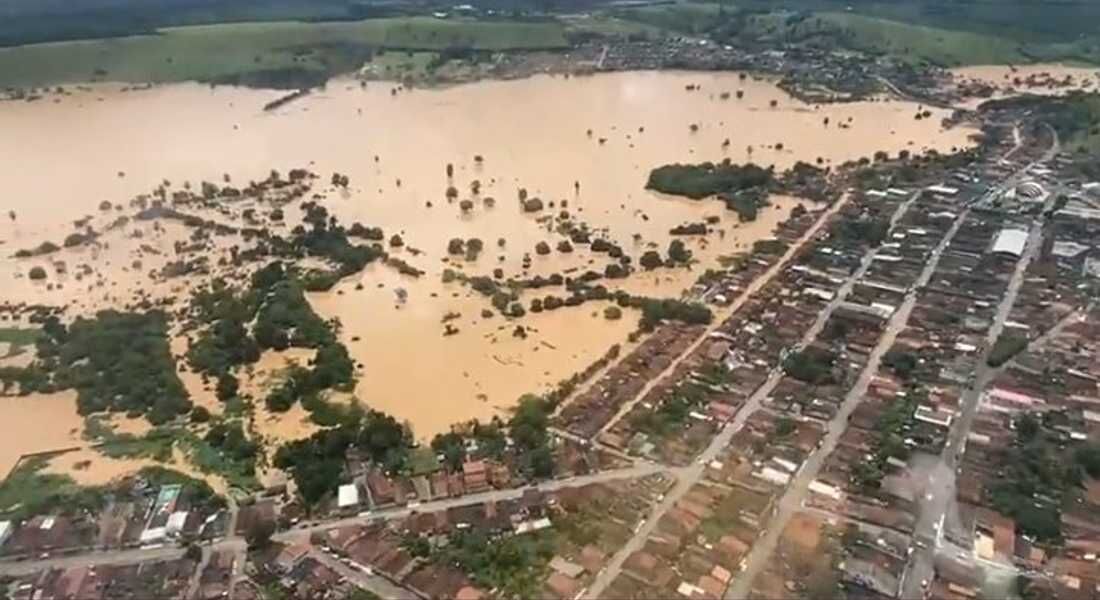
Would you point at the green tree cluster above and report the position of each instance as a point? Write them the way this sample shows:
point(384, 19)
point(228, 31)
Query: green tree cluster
point(513, 565)
point(116, 361)
point(863, 231)
point(1037, 472)
point(811, 365)
point(707, 179)
point(317, 462)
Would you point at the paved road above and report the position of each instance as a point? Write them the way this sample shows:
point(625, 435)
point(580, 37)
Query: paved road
point(721, 316)
point(237, 544)
point(398, 512)
point(796, 492)
point(196, 577)
point(937, 511)
point(110, 557)
point(689, 476)
point(379, 586)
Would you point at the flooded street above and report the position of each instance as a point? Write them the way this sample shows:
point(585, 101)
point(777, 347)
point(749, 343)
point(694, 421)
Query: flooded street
point(62, 159)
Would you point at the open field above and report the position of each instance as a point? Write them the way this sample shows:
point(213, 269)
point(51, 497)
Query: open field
point(920, 42)
point(692, 18)
point(232, 51)
point(291, 54)
point(905, 32)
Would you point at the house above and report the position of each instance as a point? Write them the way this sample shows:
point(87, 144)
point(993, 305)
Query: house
point(439, 485)
point(469, 593)
point(565, 567)
point(290, 556)
point(500, 476)
point(562, 586)
point(381, 489)
point(475, 476)
point(592, 558)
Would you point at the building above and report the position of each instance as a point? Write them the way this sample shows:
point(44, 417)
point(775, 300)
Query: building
point(943, 190)
point(1011, 242)
point(347, 496)
point(475, 476)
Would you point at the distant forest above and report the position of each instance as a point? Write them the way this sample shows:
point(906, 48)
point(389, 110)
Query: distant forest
point(33, 21)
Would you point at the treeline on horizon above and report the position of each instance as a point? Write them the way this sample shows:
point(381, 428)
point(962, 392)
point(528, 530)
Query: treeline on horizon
point(36, 21)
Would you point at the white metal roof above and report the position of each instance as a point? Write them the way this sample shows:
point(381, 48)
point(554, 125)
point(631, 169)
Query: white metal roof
point(1010, 241)
point(347, 495)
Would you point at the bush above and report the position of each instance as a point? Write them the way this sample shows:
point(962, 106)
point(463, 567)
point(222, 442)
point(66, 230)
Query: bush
point(613, 313)
point(747, 205)
point(614, 271)
point(902, 363)
point(199, 414)
point(37, 273)
point(769, 247)
point(871, 232)
point(689, 229)
point(1007, 346)
point(678, 253)
point(655, 311)
point(651, 260)
point(227, 387)
point(75, 239)
point(813, 366)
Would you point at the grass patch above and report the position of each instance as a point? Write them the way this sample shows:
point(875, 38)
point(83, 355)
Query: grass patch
point(247, 51)
point(920, 42)
point(610, 26)
point(240, 472)
point(18, 339)
point(401, 65)
point(423, 461)
point(693, 18)
point(917, 39)
point(28, 491)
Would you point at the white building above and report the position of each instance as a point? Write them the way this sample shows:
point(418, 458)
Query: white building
point(943, 190)
point(347, 495)
point(1010, 241)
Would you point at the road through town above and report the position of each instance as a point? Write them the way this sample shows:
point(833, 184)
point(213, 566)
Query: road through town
point(793, 498)
point(694, 473)
point(935, 513)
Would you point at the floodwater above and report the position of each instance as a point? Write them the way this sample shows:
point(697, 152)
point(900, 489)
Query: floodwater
point(1046, 79)
point(64, 155)
point(38, 423)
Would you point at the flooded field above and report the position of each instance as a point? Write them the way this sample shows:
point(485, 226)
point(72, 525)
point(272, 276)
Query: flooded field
point(584, 144)
point(1047, 75)
point(38, 423)
point(1045, 79)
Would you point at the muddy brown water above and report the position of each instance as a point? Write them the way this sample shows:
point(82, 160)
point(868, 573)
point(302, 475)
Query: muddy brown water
point(62, 156)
